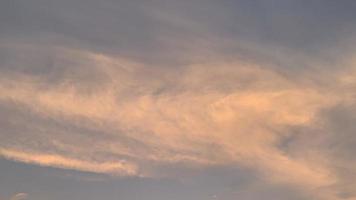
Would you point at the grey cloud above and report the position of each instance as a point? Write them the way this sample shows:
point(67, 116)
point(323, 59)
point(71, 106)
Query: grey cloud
point(341, 142)
point(132, 28)
point(50, 65)
point(333, 138)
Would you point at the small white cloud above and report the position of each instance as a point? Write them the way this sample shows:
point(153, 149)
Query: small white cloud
point(19, 196)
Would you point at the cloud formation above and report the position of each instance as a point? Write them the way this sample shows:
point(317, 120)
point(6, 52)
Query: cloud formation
point(19, 196)
point(141, 89)
point(137, 117)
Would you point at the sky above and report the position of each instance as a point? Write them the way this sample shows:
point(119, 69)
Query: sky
point(178, 100)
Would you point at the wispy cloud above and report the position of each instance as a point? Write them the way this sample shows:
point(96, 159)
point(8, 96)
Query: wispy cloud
point(155, 85)
point(19, 196)
point(221, 113)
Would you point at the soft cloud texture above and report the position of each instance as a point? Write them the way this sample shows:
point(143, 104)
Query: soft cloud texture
point(154, 90)
point(19, 196)
point(199, 115)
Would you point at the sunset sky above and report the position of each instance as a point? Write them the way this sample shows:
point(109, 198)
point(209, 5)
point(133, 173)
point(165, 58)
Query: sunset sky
point(177, 100)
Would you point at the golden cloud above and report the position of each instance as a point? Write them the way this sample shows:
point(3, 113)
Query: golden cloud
point(204, 114)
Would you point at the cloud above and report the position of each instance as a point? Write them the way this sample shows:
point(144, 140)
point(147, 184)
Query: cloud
point(19, 196)
point(58, 161)
point(196, 116)
point(160, 87)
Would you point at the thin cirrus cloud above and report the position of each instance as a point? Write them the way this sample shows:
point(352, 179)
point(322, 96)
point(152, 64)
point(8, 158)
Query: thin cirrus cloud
point(200, 115)
point(174, 90)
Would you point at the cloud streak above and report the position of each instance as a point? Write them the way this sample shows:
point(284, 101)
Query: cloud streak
point(155, 87)
point(200, 115)
point(19, 196)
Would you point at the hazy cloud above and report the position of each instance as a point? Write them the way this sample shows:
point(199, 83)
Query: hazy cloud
point(199, 115)
point(19, 196)
point(154, 89)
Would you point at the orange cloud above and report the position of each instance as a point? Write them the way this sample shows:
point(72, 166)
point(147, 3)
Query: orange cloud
point(214, 114)
point(115, 168)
